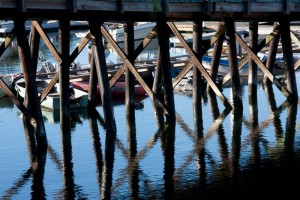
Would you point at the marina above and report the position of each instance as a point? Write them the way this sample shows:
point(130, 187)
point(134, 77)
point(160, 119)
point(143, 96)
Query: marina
point(217, 116)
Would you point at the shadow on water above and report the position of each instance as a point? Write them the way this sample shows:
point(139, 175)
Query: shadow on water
point(238, 166)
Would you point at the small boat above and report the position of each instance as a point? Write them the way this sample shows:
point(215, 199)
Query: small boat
point(117, 91)
point(78, 98)
point(9, 81)
point(279, 67)
point(141, 30)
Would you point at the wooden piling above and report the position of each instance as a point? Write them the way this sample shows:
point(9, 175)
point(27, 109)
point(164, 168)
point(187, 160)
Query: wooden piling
point(215, 61)
point(232, 57)
point(34, 39)
point(99, 56)
point(272, 51)
point(64, 74)
point(163, 41)
point(252, 71)
point(31, 97)
point(129, 78)
point(197, 76)
point(288, 55)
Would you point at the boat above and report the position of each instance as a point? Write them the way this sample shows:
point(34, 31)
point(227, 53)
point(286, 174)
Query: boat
point(8, 80)
point(279, 67)
point(78, 98)
point(141, 30)
point(117, 91)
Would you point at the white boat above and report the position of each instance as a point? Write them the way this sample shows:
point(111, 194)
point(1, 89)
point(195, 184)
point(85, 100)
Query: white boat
point(279, 67)
point(78, 98)
point(141, 30)
point(8, 80)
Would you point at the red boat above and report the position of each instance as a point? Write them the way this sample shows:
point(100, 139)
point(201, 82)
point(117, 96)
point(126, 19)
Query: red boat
point(117, 91)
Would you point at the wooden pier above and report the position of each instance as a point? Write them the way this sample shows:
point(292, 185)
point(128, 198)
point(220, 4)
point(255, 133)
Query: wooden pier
point(165, 13)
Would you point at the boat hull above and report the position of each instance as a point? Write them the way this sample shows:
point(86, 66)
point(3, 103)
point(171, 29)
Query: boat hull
point(117, 91)
point(78, 98)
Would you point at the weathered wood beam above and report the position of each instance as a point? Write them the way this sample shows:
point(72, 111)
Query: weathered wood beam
point(64, 74)
point(197, 77)
point(262, 66)
point(272, 52)
point(215, 61)
point(163, 42)
point(131, 67)
point(288, 55)
point(31, 94)
point(34, 47)
point(253, 42)
point(101, 67)
point(233, 64)
point(129, 78)
point(199, 65)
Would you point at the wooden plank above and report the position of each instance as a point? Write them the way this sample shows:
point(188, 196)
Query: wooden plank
point(199, 65)
point(262, 66)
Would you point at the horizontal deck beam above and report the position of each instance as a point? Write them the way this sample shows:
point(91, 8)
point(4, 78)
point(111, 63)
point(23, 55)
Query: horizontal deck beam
point(129, 10)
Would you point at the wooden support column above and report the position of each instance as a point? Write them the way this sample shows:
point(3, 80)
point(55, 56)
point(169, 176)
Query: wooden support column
point(34, 39)
point(31, 96)
point(288, 55)
point(253, 42)
point(197, 76)
point(129, 78)
point(232, 57)
point(93, 82)
point(163, 41)
point(99, 56)
point(215, 61)
point(272, 51)
point(64, 76)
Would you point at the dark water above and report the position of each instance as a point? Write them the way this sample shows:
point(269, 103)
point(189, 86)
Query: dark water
point(253, 154)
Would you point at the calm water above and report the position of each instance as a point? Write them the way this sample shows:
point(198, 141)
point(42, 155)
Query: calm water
point(253, 155)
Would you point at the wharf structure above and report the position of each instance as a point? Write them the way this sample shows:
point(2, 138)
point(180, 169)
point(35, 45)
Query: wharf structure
point(279, 12)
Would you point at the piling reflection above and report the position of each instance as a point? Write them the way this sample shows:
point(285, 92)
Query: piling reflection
point(234, 155)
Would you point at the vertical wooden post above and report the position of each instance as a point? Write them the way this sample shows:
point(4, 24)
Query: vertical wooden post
point(163, 41)
point(272, 52)
point(64, 77)
point(99, 56)
point(288, 55)
point(253, 42)
point(31, 99)
point(93, 82)
point(129, 78)
point(232, 57)
point(34, 47)
point(157, 82)
point(197, 76)
point(215, 61)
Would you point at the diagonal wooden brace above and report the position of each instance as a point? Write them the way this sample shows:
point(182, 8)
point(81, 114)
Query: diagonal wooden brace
point(262, 66)
point(132, 68)
point(199, 66)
